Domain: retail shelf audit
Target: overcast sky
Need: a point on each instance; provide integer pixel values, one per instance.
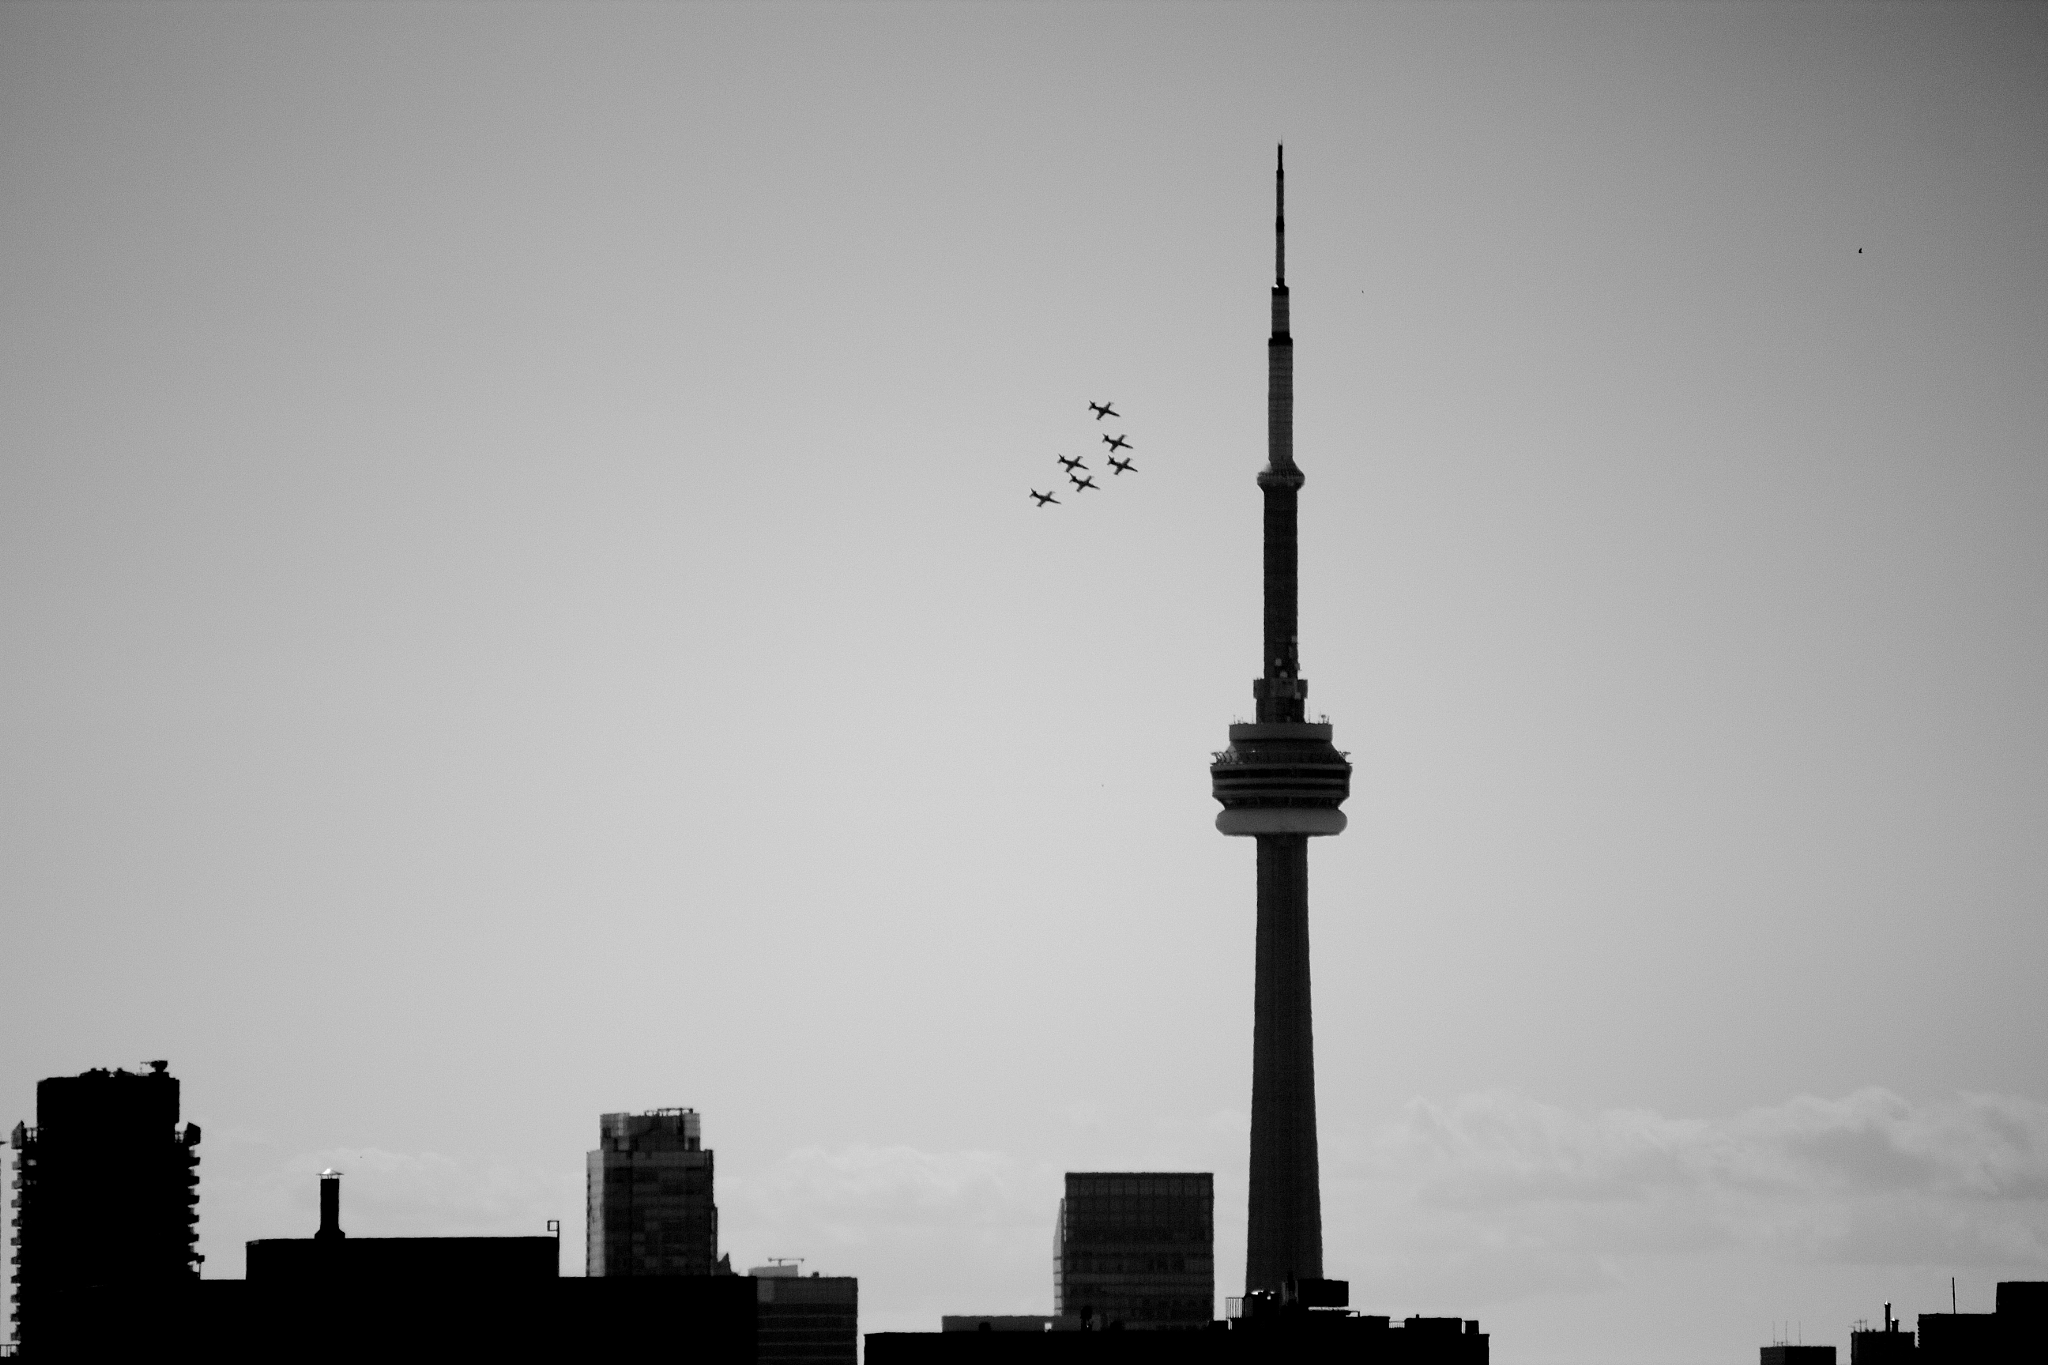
(520, 600)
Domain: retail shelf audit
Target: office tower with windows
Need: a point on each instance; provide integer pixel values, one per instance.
(1136, 1249)
(650, 1201)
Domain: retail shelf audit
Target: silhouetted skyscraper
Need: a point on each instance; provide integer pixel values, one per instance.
(106, 1190)
(1137, 1249)
(649, 1186)
(1280, 782)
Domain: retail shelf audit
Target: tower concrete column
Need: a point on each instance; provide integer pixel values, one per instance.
(1281, 782)
(1284, 1234)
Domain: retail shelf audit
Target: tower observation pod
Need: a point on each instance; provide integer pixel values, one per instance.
(1281, 782)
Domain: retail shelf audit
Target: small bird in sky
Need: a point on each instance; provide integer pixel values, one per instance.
(1082, 481)
(1103, 410)
(1071, 465)
(1122, 465)
(1117, 442)
(1044, 498)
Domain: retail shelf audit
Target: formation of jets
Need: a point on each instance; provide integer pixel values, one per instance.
(1083, 480)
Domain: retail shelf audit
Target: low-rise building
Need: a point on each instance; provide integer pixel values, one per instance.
(805, 1319)
(1784, 1353)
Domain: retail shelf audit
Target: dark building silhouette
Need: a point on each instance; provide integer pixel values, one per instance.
(2018, 1330)
(1280, 782)
(1308, 1320)
(800, 1319)
(650, 1198)
(1959, 1337)
(700, 1319)
(333, 1298)
(1785, 1354)
(1887, 1346)
(2025, 1303)
(331, 1255)
(1136, 1249)
(105, 1224)
(1292, 1333)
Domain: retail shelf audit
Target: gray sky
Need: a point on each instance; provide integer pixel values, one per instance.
(520, 601)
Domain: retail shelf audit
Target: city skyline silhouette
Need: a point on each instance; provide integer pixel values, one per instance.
(522, 606)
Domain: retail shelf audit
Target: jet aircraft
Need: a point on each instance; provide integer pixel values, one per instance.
(1071, 465)
(1044, 498)
(1103, 410)
(1117, 443)
(1122, 465)
(1081, 482)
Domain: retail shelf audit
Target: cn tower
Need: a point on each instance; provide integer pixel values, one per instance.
(1280, 782)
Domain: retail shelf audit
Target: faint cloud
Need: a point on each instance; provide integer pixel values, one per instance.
(1501, 1196)
(928, 1232)
(856, 1194)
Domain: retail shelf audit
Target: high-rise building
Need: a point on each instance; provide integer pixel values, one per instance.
(1136, 1249)
(105, 1206)
(1280, 782)
(649, 1187)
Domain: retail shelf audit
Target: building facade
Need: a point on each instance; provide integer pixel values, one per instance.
(104, 1208)
(805, 1319)
(1136, 1249)
(651, 1210)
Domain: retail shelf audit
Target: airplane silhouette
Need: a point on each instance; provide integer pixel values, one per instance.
(1071, 465)
(1081, 483)
(1122, 465)
(1117, 443)
(1103, 410)
(1044, 498)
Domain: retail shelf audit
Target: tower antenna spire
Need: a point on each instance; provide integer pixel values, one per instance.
(1280, 218)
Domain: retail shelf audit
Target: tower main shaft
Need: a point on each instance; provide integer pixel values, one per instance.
(1281, 781)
